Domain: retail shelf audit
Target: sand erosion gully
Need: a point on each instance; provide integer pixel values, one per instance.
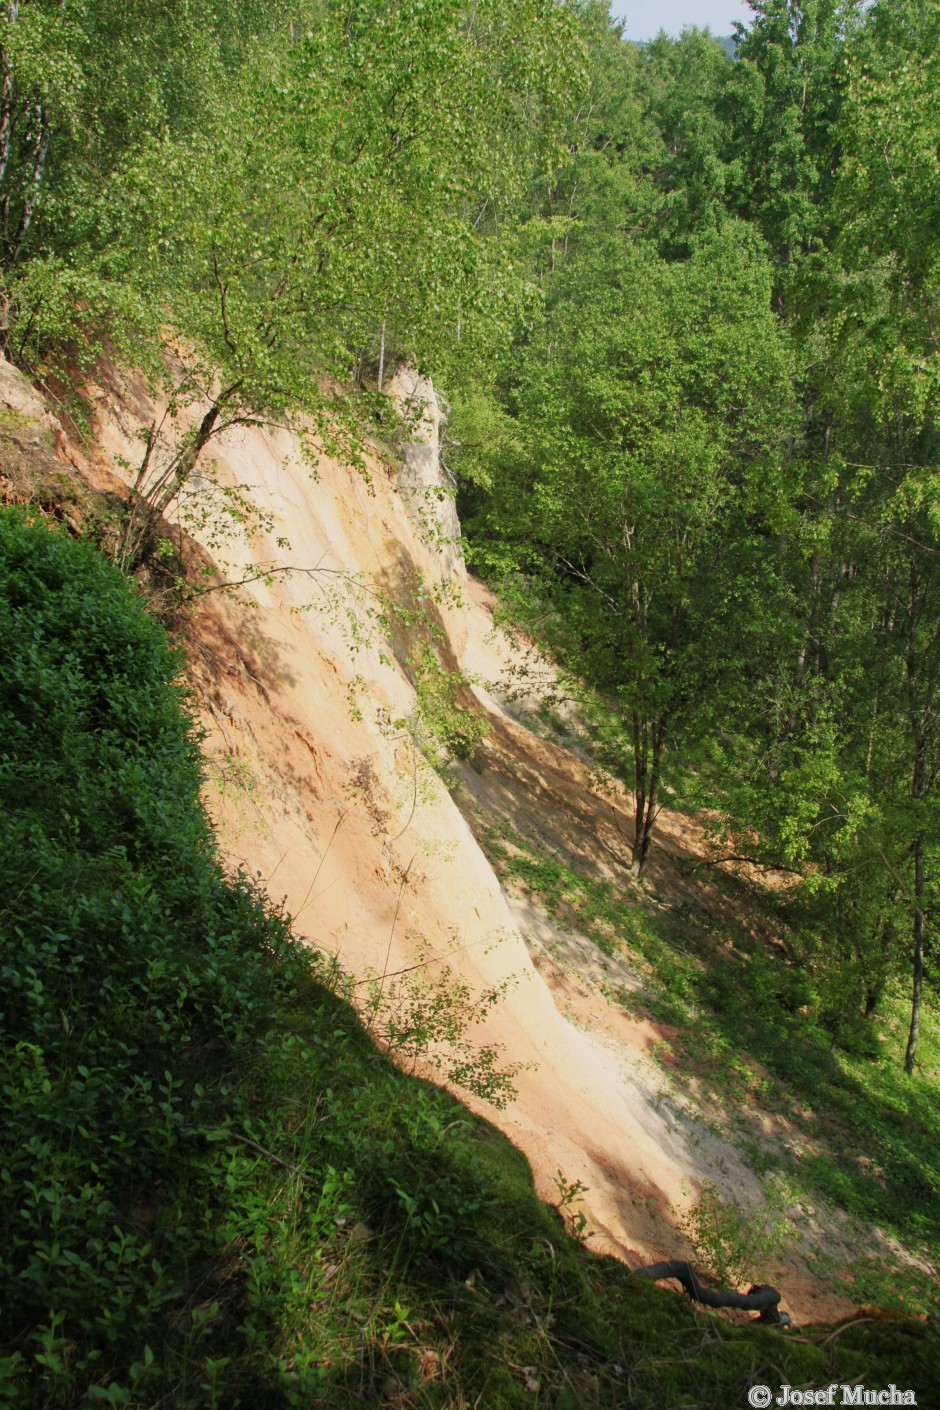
(306, 690)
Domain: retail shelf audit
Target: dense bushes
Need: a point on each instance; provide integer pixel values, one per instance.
(130, 968)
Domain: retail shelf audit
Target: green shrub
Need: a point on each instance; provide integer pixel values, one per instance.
(736, 1244)
(123, 974)
(444, 725)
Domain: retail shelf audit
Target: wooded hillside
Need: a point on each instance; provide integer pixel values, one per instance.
(682, 309)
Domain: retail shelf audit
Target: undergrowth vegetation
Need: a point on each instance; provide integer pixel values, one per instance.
(216, 1190)
(736, 1244)
(744, 1030)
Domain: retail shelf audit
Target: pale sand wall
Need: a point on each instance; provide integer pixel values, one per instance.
(320, 799)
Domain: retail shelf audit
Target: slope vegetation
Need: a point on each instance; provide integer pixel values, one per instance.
(219, 1190)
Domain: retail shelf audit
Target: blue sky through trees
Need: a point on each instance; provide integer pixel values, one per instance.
(645, 18)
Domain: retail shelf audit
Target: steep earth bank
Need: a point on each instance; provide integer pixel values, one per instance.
(308, 678)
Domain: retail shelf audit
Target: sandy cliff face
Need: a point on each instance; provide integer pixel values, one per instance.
(307, 691)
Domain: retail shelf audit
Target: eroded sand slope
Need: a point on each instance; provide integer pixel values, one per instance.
(316, 785)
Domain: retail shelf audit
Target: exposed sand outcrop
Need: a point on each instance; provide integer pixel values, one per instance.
(316, 785)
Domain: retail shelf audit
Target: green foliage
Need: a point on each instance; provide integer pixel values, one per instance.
(275, 182)
(688, 311)
(646, 418)
(782, 102)
(706, 471)
(427, 1013)
(447, 724)
(569, 1191)
(82, 86)
(735, 1245)
(687, 81)
(216, 1190)
(144, 1079)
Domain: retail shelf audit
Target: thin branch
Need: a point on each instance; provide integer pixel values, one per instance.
(740, 857)
(245, 1141)
(339, 821)
(401, 891)
(223, 296)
